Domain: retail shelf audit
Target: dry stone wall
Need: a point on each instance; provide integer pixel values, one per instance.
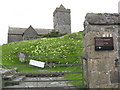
(100, 66)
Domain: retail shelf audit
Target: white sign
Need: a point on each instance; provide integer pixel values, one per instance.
(37, 63)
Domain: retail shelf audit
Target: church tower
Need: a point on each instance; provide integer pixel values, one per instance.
(62, 20)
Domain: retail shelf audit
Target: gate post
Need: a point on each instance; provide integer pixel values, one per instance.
(0, 67)
(101, 50)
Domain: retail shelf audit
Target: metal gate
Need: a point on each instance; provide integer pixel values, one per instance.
(54, 76)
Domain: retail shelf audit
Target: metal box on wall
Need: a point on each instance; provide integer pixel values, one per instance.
(104, 43)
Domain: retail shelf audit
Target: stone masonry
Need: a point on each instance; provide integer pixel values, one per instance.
(62, 19)
(0, 68)
(100, 67)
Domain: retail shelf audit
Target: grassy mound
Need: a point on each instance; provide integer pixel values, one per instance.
(45, 49)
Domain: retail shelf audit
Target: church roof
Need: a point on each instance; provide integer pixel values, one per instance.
(43, 31)
(16, 30)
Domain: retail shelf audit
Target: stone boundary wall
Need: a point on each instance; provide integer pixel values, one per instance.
(0, 67)
(100, 69)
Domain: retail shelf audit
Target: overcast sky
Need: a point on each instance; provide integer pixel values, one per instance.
(39, 13)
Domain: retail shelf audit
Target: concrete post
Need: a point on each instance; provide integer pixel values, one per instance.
(100, 68)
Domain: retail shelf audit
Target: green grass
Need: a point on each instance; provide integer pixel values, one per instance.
(70, 44)
(75, 76)
(57, 49)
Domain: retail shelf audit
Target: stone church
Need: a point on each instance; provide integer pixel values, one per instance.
(62, 24)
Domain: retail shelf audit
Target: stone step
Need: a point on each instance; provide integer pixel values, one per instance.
(7, 71)
(15, 81)
(42, 84)
(10, 77)
(44, 74)
(19, 78)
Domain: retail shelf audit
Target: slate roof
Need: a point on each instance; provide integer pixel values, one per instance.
(43, 31)
(16, 30)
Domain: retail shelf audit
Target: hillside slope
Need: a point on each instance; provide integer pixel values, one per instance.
(45, 49)
(60, 49)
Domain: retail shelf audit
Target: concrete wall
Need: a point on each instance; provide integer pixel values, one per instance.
(100, 65)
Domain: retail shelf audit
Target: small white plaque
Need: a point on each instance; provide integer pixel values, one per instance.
(37, 63)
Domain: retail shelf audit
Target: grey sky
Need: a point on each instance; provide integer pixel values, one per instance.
(39, 13)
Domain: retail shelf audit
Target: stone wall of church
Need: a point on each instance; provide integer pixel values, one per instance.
(13, 38)
(29, 34)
